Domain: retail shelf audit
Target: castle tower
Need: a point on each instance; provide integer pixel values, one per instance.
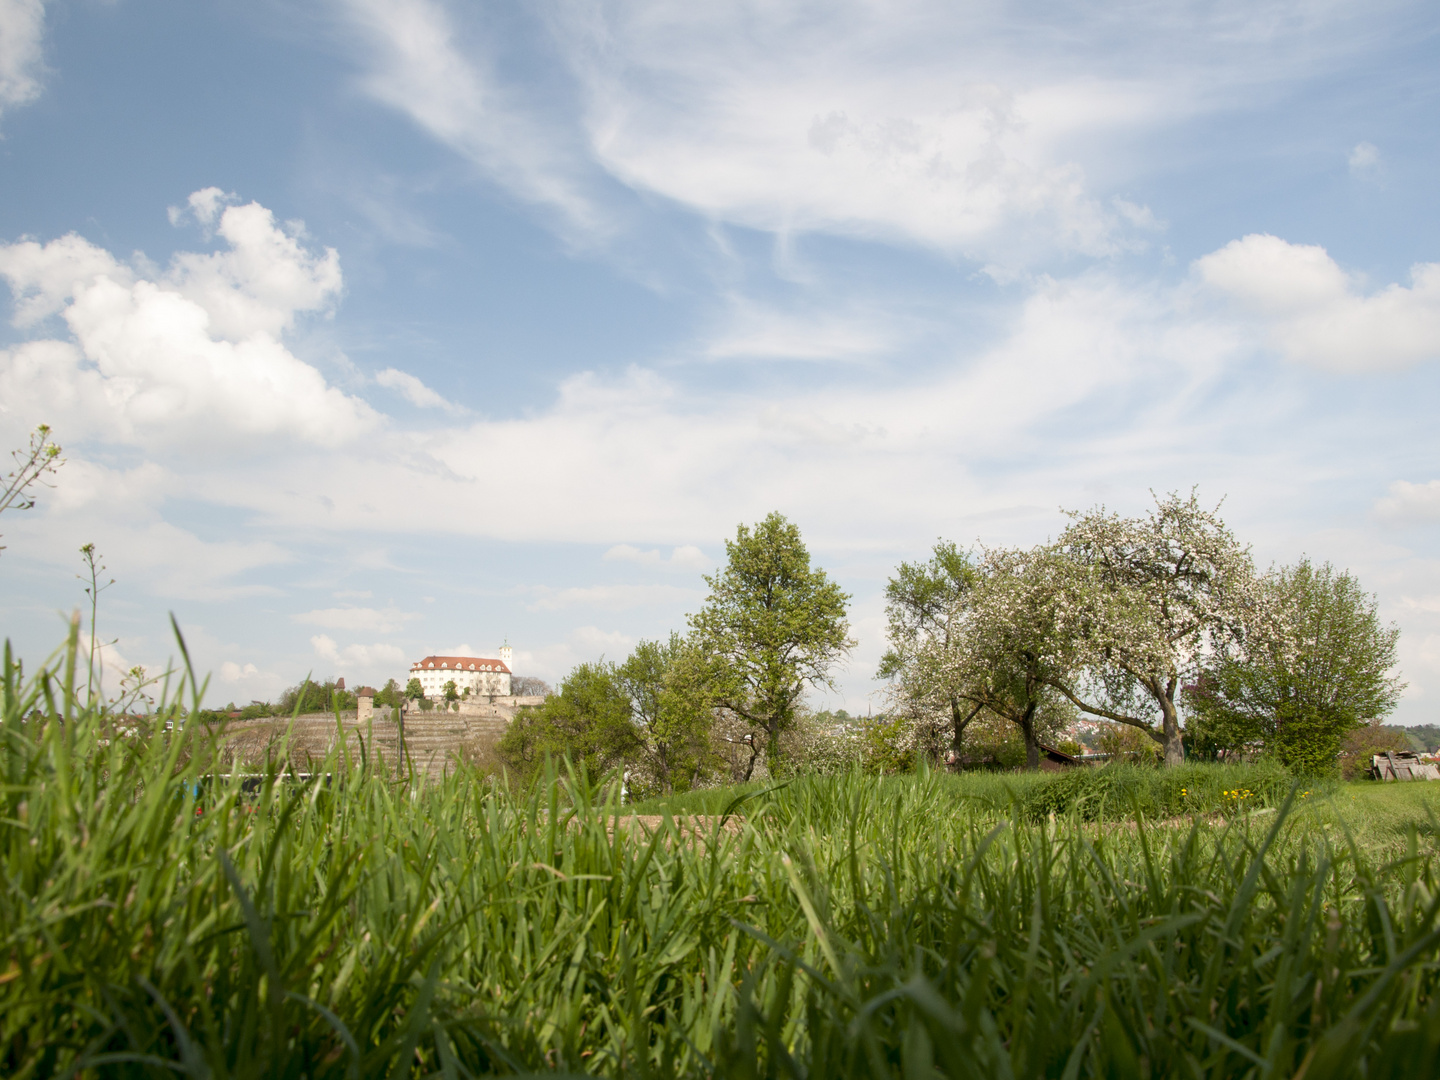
(506, 654)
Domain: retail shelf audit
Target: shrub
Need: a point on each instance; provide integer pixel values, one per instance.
(1125, 742)
(1362, 743)
(819, 745)
(886, 746)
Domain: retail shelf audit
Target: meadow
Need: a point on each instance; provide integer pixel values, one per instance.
(1197, 922)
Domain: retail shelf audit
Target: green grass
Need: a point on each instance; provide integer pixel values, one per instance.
(1091, 794)
(850, 926)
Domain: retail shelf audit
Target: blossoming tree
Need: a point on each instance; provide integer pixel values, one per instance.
(1142, 602)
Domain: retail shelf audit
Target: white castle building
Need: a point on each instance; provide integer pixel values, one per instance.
(482, 676)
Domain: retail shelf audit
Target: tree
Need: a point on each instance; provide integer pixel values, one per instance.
(528, 686)
(313, 697)
(1006, 645)
(413, 690)
(670, 685)
(1315, 666)
(32, 465)
(452, 692)
(390, 694)
(1148, 600)
(775, 624)
(589, 720)
(922, 603)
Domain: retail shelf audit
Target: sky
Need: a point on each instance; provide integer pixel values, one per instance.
(379, 329)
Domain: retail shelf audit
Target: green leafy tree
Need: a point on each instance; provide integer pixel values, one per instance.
(313, 697)
(588, 719)
(776, 625)
(671, 688)
(922, 604)
(452, 692)
(413, 690)
(390, 695)
(1317, 665)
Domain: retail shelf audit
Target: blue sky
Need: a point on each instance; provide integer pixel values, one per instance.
(378, 329)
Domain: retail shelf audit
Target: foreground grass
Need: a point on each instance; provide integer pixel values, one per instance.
(850, 926)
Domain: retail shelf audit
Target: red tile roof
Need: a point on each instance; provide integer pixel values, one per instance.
(464, 663)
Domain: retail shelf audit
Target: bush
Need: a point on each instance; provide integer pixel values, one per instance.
(1363, 743)
(886, 746)
(819, 745)
(1125, 742)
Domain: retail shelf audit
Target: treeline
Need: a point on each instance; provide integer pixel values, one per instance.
(712, 703)
(1159, 624)
(305, 697)
(1159, 628)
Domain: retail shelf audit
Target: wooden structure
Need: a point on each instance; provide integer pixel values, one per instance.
(1402, 765)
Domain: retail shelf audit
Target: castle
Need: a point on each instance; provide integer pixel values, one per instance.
(474, 676)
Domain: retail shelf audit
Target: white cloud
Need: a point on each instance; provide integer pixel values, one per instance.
(353, 618)
(612, 597)
(359, 659)
(414, 391)
(963, 128)
(1410, 503)
(1364, 159)
(685, 557)
(1314, 313)
(22, 33)
(419, 66)
(192, 356)
(754, 330)
(585, 643)
(231, 672)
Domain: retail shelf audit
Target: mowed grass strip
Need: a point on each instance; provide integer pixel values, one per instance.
(846, 926)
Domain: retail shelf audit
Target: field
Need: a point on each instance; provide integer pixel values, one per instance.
(1203, 922)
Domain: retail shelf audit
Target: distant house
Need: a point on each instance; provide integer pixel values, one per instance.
(482, 675)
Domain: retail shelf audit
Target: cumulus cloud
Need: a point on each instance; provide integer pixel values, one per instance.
(192, 354)
(232, 672)
(358, 658)
(414, 391)
(557, 659)
(1314, 313)
(1410, 503)
(357, 618)
(22, 34)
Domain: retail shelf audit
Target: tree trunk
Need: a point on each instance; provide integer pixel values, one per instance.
(958, 727)
(1032, 745)
(1174, 744)
(754, 754)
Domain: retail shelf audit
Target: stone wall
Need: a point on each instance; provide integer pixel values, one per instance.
(429, 740)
